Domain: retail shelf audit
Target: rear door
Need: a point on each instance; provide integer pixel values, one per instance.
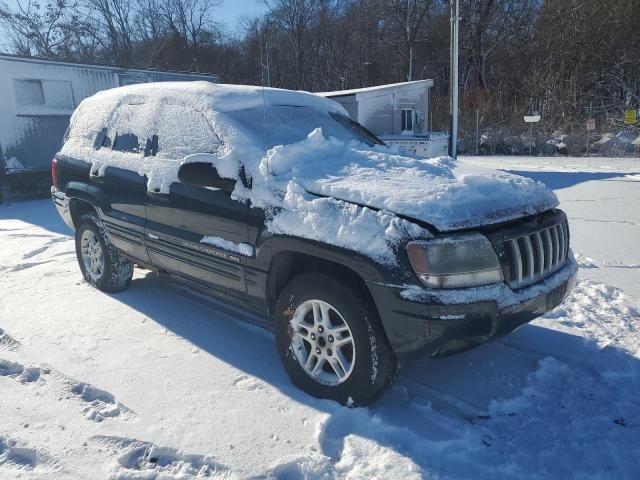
(194, 232)
(124, 219)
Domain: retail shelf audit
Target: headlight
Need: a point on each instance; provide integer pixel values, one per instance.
(456, 261)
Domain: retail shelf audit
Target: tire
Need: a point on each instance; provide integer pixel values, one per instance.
(116, 272)
(372, 364)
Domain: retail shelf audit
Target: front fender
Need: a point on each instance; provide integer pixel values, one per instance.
(367, 268)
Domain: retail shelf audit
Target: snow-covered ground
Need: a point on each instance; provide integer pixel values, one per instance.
(157, 382)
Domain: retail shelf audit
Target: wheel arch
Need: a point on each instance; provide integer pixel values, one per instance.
(79, 207)
(84, 199)
(288, 264)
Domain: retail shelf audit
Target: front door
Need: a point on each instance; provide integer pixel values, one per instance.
(194, 231)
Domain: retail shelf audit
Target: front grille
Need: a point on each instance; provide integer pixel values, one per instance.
(533, 256)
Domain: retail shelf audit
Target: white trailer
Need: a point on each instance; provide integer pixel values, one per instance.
(37, 98)
(398, 113)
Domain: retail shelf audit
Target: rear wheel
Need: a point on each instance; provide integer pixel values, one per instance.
(101, 264)
(330, 341)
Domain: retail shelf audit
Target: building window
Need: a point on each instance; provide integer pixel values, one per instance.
(29, 93)
(43, 97)
(58, 95)
(407, 120)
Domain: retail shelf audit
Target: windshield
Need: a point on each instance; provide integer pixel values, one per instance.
(287, 124)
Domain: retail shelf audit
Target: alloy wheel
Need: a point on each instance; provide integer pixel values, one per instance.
(322, 342)
(92, 255)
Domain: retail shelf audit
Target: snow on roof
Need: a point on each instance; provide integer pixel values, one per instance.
(415, 83)
(219, 97)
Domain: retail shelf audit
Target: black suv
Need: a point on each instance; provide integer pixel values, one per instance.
(226, 188)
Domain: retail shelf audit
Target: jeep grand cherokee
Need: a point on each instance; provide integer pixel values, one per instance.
(354, 255)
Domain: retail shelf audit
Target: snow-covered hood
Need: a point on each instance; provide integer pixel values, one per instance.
(441, 191)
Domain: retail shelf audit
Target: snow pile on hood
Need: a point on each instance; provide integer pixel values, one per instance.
(337, 191)
(438, 191)
(371, 232)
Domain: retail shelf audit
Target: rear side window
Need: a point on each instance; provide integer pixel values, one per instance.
(126, 142)
(132, 131)
(163, 130)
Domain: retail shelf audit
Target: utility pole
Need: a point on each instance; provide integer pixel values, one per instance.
(453, 106)
(408, 33)
(477, 129)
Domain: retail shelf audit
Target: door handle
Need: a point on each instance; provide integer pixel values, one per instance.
(96, 178)
(157, 195)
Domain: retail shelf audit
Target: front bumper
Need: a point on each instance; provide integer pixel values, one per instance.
(61, 203)
(429, 322)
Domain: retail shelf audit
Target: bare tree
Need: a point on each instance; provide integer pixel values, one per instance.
(114, 28)
(294, 18)
(40, 30)
(488, 24)
(402, 25)
(192, 22)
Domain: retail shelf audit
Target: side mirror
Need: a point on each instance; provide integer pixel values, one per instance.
(204, 175)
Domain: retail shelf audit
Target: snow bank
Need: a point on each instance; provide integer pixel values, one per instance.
(323, 188)
(621, 143)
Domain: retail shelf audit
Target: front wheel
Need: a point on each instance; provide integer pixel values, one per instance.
(101, 264)
(331, 342)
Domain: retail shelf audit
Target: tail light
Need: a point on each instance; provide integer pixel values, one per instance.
(54, 172)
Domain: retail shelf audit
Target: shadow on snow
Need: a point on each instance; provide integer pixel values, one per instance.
(565, 179)
(539, 402)
(36, 212)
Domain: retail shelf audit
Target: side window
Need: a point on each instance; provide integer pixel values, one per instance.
(132, 130)
(150, 130)
(126, 142)
(183, 131)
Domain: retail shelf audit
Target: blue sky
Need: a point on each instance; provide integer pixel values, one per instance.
(230, 12)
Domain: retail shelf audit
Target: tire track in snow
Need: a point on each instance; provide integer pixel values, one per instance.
(45, 247)
(41, 251)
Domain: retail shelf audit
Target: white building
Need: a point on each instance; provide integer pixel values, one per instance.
(398, 113)
(37, 98)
